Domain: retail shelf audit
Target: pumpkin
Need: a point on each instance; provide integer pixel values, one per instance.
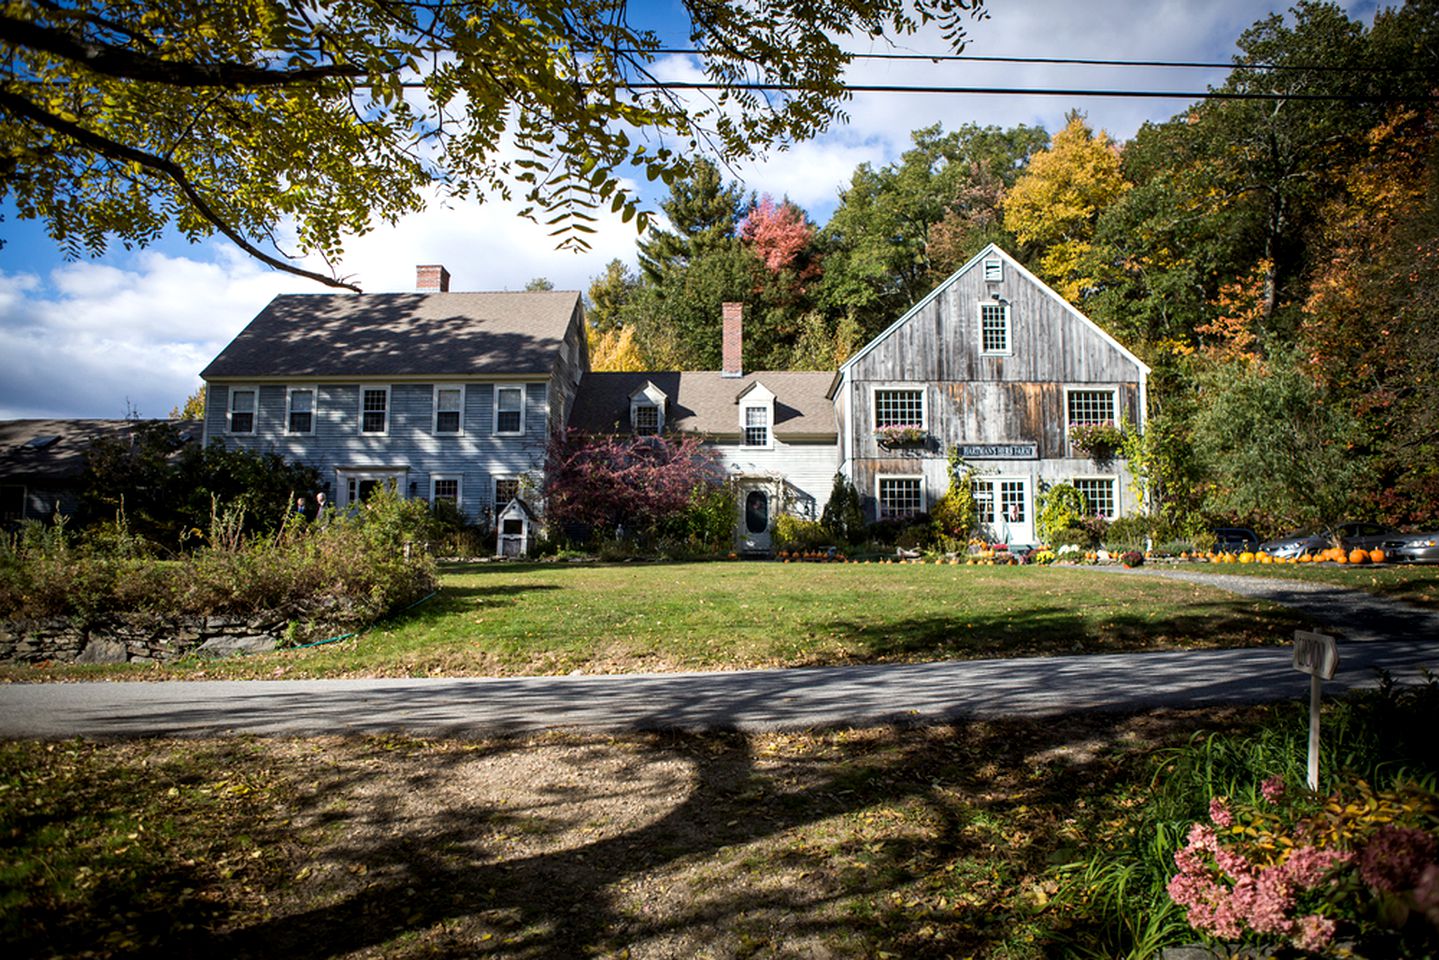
(1246, 557)
(1304, 558)
(1265, 558)
(1377, 555)
(1340, 556)
(1358, 556)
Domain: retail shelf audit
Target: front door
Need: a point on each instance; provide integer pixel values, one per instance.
(1006, 509)
(754, 525)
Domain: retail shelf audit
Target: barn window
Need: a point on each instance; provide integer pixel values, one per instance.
(1091, 406)
(994, 327)
(449, 408)
(375, 410)
(301, 418)
(1098, 494)
(900, 497)
(993, 270)
(899, 408)
(983, 501)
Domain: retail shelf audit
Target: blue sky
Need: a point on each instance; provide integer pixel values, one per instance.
(132, 329)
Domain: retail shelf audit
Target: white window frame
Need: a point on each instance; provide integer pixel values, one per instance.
(1070, 389)
(360, 425)
(495, 481)
(344, 476)
(876, 389)
(768, 410)
(524, 392)
(435, 410)
(993, 268)
(637, 409)
(879, 499)
(1008, 328)
(1112, 480)
(230, 410)
(290, 392)
(437, 478)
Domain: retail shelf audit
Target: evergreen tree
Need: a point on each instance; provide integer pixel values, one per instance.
(704, 213)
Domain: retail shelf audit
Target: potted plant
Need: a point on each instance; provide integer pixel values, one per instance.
(895, 435)
(1096, 440)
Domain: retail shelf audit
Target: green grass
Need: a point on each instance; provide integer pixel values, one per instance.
(1414, 584)
(555, 618)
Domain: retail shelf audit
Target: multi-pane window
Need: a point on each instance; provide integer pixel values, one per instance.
(374, 410)
(647, 419)
(994, 327)
(1098, 494)
(1091, 406)
(509, 410)
(449, 401)
(242, 409)
(993, 270)
(899, 408)
(900, 496)
(1011, 501)
(302, 410)
(445, 488)
(983, 501)
(756, 426)
(506, 489)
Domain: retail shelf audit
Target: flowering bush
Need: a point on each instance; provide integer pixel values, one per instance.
(1132, 558)
(1096, 439)
(1306, 870)
(894, 435)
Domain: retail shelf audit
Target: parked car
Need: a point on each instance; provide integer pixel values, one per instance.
(1360, 535)
(1235, 540)
(1413, 547)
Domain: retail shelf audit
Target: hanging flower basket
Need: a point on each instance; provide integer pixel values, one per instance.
(1096, 440)
(896, 436)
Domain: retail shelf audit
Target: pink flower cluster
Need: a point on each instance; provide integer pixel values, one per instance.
(1225, 894)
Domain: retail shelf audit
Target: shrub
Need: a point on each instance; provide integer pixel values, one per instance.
(1061, 506)
(793, 533)
(1126, 533)
(843, 515)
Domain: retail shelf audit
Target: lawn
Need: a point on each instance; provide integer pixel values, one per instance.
(1414, 584)
(556, 618)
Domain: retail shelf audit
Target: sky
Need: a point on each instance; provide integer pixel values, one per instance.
(130, 331)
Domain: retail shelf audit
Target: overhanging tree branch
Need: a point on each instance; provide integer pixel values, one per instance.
(105, 147)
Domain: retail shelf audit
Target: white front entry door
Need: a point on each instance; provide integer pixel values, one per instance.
(1006, 509)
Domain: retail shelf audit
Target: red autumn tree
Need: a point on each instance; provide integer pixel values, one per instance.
(782, 238)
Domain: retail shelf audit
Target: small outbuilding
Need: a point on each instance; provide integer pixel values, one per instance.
(513, 529)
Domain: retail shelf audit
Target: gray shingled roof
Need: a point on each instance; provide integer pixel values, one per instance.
(706, 402)
(22, 458)
(399, 334)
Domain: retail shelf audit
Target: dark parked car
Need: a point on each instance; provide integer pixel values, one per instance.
(1413, 547)
(1235, 540)
(1360, 535)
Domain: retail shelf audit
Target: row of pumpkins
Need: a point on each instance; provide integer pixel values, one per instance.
(1332, 555)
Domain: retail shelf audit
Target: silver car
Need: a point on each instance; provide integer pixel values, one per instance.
(1413, 547)
(1365, 536)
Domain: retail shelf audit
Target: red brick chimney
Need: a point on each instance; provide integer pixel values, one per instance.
(432, 278)
(733, 340)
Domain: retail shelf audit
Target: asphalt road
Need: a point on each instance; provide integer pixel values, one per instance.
(1378, 636)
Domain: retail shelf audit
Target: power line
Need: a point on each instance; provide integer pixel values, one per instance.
(1039, 92)
(1062, 61)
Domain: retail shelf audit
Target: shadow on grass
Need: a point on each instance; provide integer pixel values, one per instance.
(982, 806)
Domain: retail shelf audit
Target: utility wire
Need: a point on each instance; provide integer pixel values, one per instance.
(1180, 64)
(1041, 92)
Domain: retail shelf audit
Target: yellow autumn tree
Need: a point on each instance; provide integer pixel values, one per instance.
(1055, 204)
(615, 351)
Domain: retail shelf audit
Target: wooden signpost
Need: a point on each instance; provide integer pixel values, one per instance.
(1316, 654)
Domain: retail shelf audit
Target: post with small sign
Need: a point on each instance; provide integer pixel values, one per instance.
(1316, 654)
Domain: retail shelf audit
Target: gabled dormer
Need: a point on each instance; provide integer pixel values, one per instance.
(647, 409)
(756, 416)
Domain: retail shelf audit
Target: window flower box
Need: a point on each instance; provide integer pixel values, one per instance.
(891, 437)
(1096, 440)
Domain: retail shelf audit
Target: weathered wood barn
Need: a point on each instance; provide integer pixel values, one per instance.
(997, 365)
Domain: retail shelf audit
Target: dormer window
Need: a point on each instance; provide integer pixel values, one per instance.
(647, 410)
(646, 419)
(756, 426)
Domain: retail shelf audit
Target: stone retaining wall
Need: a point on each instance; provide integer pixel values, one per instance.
(136, 639)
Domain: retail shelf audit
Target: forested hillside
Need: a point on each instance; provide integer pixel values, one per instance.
(1274, 259)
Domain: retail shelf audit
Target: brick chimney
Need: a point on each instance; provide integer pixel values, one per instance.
(733, 340)
(432, 278)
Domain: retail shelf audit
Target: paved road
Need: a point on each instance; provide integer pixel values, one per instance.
(741, 700)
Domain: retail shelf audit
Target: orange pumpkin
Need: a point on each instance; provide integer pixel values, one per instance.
(1377, 555)
(1358, 556)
